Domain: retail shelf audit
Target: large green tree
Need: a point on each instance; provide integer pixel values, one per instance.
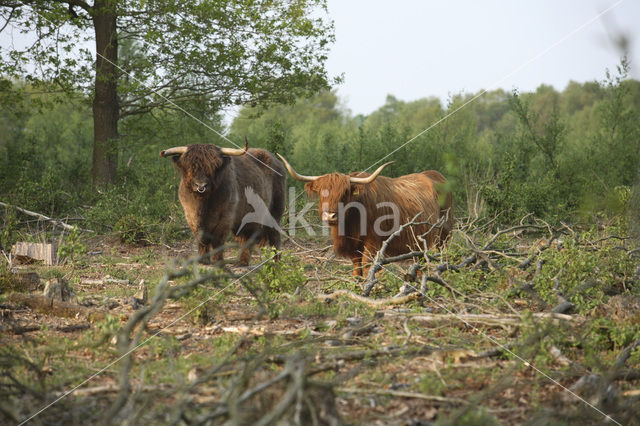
(212, 53)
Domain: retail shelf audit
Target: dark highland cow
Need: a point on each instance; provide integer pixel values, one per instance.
(363, 209)
(220, 187)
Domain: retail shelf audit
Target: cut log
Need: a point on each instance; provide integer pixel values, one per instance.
(30, 280)
(65, 329)
(28, 252)
(47, 306)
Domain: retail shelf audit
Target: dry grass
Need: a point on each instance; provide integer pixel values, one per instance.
(326, 354)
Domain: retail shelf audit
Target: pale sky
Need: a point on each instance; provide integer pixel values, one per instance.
(413, 49)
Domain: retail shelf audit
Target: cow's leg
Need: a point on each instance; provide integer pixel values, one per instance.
(204, 244)
(247, 237)
(245, 250)
(215, 247)
(218, 253)
(356, 258)
(203, 249)
(367, 260)
(357, 265)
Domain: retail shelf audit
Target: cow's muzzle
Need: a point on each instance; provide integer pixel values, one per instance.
(201, 187)
(329, 217)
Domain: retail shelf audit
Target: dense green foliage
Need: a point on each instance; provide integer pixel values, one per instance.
(159, 55)
(553, 154)
(559, 155)
(219, 53)
(46, 167)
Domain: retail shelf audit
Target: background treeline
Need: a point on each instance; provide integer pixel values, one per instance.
(559, 155)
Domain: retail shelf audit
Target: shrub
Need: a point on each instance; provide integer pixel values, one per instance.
(72, 248)
(130, 230)
(283, 275)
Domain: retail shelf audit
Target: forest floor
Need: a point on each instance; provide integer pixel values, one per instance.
(492, 342)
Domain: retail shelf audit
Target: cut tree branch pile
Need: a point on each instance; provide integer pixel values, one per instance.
(486, 256)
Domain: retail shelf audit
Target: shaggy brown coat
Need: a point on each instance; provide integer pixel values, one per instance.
(212, 194)
(412, 194)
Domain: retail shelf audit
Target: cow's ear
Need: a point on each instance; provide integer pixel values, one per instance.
(311, 191)
(176, 162)
(225, 161)
(356, 189)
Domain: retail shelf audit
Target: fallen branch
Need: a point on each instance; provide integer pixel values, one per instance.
(360, 355)
(625, 355)
(7, 258)
(396, 300)
(559, 357)
(64, 329)
(49, 306)
(403, 394)
(490, 353)
(256, 330)
(377, 262)
(99, 390)
(40, 216)
(525, 263)
(105, 280)
(131, 333)
(563, 307)
(627, 375)
(437, 280)
(512, 229)
(485, 319)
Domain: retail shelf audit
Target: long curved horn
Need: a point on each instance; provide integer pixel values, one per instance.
(236, 151)
(371, 178)
(294, 174)
(178, 150)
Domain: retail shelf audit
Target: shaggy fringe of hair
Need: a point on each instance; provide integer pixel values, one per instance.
(203, 160)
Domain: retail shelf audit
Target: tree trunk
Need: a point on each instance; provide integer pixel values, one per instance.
(105, 101)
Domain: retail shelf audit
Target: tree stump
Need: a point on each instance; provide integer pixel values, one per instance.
(58, 290)
(30, 281)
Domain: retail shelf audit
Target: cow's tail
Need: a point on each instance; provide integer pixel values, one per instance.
(446, 212)
(278, 201)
